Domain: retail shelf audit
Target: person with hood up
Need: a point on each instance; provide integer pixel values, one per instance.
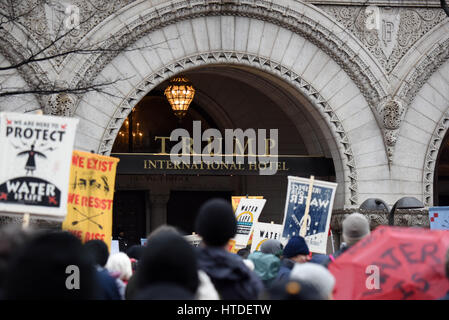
(296, 251)
(233, 280)
(266, 266)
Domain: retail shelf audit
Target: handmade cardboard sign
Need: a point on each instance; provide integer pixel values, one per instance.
(35, 157)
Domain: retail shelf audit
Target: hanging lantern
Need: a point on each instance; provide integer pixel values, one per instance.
(180, 94)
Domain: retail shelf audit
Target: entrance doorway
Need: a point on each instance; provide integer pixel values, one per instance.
(129, 215)
(183, 206)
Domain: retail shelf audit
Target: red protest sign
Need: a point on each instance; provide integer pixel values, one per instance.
(393, 263)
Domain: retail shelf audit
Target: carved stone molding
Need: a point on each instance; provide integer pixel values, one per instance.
(165, 14)
(400, 29)
(403, 218)
(431, 158)
(60, 104)
(261, 63)
(423, 71)
(391, 114)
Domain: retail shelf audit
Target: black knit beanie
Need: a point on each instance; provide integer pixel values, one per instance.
(168, 258)
(216, 222)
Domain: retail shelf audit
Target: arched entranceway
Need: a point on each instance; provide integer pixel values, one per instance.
(441, 175)
(227, 97)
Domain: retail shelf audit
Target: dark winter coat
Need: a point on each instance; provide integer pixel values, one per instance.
(334, 256)
(231, 277)
(108, 285)
(285, 269)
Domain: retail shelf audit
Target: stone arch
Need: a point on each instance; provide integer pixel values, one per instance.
(434, 95)
(306, 20)
(295, 60)
(423, 90)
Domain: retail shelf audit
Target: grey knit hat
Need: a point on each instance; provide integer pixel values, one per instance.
(272, 246)
(355, 227)
(316, 275)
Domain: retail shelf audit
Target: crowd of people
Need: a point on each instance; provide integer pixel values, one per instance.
(37, 264)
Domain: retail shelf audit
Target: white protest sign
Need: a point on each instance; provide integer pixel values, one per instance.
(35, 159)
(318, 214)
(247, 213)
(193, 239)
(114, 247)
(263, 232)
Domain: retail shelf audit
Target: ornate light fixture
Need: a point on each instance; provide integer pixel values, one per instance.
(180, 94)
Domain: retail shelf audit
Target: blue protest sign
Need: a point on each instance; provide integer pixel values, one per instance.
(439, 218)
(320, 211)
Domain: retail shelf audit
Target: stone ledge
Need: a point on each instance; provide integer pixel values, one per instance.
(407, 218)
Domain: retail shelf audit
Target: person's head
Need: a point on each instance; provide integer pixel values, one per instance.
(317, 276)
(216, 222)
(121, 264)
(272, 246)
(121, 234)
(296, 250)
(244, 253)
(168, 258)
(51, 266)
(162, 229)
(97, 251)
(134, 252)
(355, 227)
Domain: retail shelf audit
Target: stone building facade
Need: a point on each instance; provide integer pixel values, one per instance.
(374, 100)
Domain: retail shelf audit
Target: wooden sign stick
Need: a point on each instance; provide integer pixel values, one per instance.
(26, 220)
(303, 230)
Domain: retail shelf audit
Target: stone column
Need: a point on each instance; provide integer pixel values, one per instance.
(158, 215)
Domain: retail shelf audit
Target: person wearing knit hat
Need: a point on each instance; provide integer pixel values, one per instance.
(355, 227)
(296, 251)
(318, 277)
(168, 258)
(272, 246)
(216, 222)
(233, 280)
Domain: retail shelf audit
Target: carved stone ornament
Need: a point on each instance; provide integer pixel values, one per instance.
(60, 104)
(392, 113)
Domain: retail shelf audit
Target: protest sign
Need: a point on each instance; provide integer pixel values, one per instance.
(35, 163)
(115, 248)
(194, 239)
(91, 194)
(263, 232)
(232, 247)
(311, 211)
(439, 218)
(246, 214)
